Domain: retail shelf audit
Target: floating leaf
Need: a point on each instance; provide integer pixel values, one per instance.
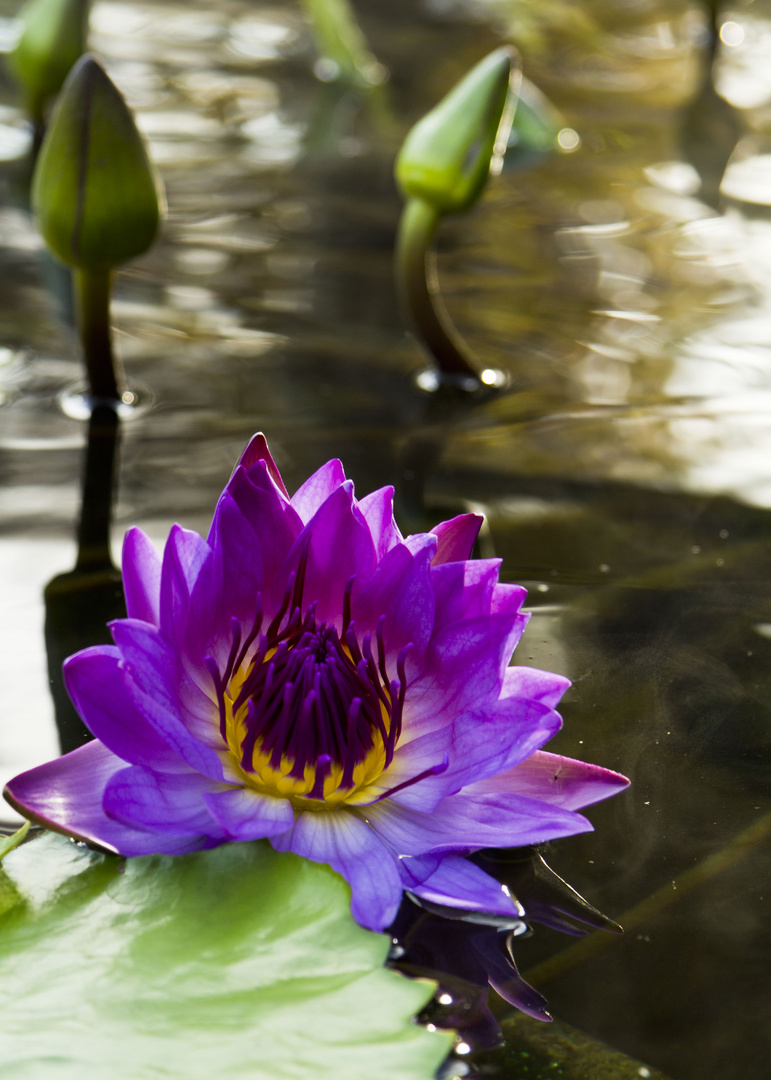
(95, 194)
(236, 962)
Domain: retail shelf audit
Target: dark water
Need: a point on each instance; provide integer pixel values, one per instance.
(625, 475)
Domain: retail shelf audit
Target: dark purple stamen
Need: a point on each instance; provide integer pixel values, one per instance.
(311, 696)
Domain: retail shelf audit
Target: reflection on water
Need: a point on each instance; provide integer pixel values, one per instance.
(626, 476)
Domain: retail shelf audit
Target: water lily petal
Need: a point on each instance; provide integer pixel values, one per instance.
(464, 590)
(153, 668)
(465, 823)
(558, 780)
(248, 815)
(141, 577)
(351, 848)
(400, 591)
(378, 511)
(456, 882)
(476, 745)
(66, 795)
(183, 556)
(257, 453)
(525, 682)
(317, 488)
(96, 680)
(271, 519)
(456, 537)
(171, 802)
(464, 669)
(337, 546)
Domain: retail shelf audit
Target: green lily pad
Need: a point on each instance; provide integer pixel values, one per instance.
(236, 962)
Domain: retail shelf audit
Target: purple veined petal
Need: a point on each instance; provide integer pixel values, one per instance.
(464, 670)
(544, 686)
(400, 589)
(317, 488)
(66, 795)
(141, 577)
(337, 546)
(162, 802)
(474, 746)
(257, 451)
(458, 883)
(245, 814)
(271, 519)
(507, 599)
(465, 823)
(238, 557)
(378, 511)
(183, 557)
(463, 590)
(350, 847)
(456, 538)
(552, 778)
(96, 681)
(154, 674)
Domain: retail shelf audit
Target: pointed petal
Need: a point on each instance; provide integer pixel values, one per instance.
(141, 577)
(464, 590)
(558, 780)
(526, 682)
(257, 451)
(66, 795)
(337, 546)
(183, 556)
(317, 489)
(456, 537)
(378, 511)
(353, 850)
(400, 589)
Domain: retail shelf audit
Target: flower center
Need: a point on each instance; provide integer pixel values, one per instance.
(307, 713)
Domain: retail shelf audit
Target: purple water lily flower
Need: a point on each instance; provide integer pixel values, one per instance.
(309, 676)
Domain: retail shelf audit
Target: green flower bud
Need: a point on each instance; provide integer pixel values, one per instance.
(95, 194)
(52, 39)
(445, 159)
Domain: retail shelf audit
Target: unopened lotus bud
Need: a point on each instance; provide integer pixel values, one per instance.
(445, 159)
(95, 194)
(52, 39)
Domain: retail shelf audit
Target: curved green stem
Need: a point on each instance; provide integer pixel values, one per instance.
(419, 285)
(92, 298)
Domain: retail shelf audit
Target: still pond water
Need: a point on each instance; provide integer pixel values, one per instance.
(625, 472)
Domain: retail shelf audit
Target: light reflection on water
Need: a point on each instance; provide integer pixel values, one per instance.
(623, 291)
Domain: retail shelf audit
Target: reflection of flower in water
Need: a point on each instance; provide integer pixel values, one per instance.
(308, 676)
(466, 953)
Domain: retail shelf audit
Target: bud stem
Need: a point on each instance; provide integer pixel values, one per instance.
(92, 299)
(419, 286)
